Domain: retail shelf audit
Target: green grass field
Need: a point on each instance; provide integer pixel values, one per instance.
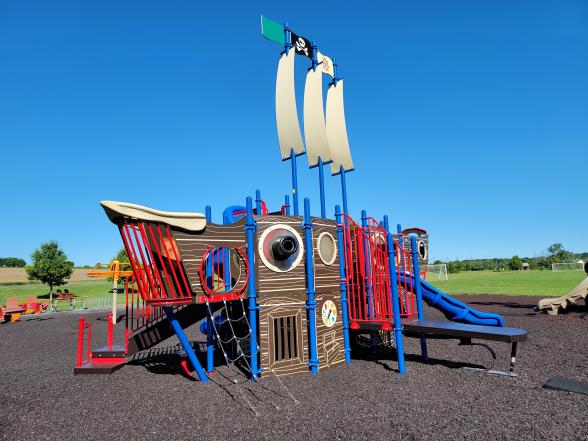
(540, 283)
(86, 288)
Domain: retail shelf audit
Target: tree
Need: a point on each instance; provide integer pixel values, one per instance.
(11, 262)
(515, 263)
(121, 256)
(558, 254)
(50, 265)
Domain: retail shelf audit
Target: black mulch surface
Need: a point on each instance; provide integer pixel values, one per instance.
(40, 398)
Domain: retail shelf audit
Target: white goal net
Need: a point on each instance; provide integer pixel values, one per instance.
(437, 272)
(555, 267)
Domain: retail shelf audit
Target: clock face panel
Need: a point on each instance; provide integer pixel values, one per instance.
(329, 313)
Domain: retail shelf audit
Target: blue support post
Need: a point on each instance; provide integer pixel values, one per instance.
(310, 302)
(287, 204)
(250, 228)
(342, 276)
(209, 329)
(367, 281)
(185, 343)
(322, 187)
(287, 38)
(226, 253)
(366, 253)
(294, 181)
(258, 202)
(419, 296)
(397, 326)
(343, 189)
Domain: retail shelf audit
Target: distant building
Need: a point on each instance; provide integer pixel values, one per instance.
(525, 266)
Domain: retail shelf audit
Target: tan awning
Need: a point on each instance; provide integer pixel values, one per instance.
(116, 211)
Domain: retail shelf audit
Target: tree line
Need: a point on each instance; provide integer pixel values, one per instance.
(556, 253)
(12, 262)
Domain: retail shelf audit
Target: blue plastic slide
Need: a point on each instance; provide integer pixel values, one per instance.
(455, 310)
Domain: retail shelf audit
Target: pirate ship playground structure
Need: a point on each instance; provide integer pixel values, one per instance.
(281, 292)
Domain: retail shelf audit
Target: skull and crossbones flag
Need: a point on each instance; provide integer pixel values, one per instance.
(301, 45)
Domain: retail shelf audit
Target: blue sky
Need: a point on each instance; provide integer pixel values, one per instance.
(469, 119)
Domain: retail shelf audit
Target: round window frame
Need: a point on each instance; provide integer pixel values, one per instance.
(318, 247)
(262, 238)
(425, 247)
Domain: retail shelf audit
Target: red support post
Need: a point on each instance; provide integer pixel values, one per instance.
(110, 331)
(80, 356)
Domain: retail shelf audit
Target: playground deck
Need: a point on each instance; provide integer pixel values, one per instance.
(365, 400)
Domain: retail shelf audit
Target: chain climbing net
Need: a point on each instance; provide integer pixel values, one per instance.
(237, 348)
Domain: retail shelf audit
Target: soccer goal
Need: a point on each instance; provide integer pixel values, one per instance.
(437, 272)
(576, 266)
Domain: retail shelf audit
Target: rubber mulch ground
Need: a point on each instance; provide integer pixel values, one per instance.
(40, 398)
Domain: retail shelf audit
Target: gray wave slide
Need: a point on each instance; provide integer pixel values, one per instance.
(553, 305)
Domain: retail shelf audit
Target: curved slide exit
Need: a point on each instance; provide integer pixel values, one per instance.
(454, 310)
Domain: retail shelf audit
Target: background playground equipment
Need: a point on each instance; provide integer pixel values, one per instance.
(553, 306)
(293, 290)
(13, 309)
(115, 271)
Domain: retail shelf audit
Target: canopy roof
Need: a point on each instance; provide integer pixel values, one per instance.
(117, 211)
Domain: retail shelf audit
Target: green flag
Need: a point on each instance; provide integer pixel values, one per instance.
(272, 30)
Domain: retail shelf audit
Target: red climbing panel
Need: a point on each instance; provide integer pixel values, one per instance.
(367, 273)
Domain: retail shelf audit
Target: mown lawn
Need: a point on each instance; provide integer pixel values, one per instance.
(89, 288)
(540, 283)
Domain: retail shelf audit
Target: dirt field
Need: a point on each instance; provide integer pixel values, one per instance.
(19, 275)
(148, 399)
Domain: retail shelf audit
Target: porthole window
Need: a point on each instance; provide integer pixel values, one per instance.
(280, 248)
(327, 248)
(422, 248)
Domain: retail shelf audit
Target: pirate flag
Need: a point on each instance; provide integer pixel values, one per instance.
(301, 45)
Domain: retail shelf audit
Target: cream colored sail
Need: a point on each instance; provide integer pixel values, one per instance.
(337, 130)
(315, 132)
(287, 123)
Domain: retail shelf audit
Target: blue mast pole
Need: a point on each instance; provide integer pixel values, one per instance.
(398, 337)
(322, 187)
(343, 189)
(209, 325)
(311, 302)
(250, 228)
(419, 296)
(294, 181)
(341, 169)
(342, 276)
(287, 46)
(258, 202)
(320, 162)
(287, 204)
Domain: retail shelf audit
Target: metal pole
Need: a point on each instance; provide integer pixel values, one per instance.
(322, 187)
(398, 337)
(209, 318)
(226, 255)
(367, 280)
(258, 202)
(343, 189)
(250, 228)
(310, 302)
(185, 343)
(294, 181)
(115, 291)
(343, 278)
(287, 204)
(419, 296)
